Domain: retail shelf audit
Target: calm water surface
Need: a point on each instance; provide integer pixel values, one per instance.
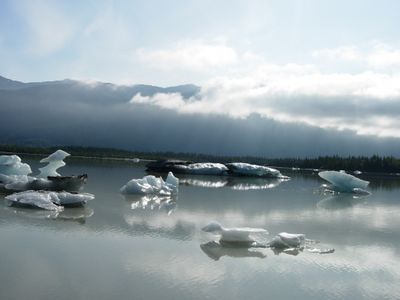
(144, 248)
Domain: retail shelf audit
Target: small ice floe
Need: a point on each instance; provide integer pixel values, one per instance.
(245, 169)
(202, 169)
(287, 240)
(343, 182)
(216, 250)
(12, 165)
(152, 185)
(48, 200)
(294, 243)
(357, 172)
(244, 236)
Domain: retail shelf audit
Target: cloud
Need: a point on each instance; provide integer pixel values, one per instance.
(367, 103)
(194, 55)
(377, 55)
(49, 28)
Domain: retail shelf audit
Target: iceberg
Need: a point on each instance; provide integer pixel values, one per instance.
(243, 235)
(202, 169)
(47, 200)
(287, 240)
(245, 169)
(152, 185)
(344, 183)
(55, 161)
(12, 165)
(14, 175)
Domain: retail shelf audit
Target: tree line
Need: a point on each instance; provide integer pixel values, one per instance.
(375, 163)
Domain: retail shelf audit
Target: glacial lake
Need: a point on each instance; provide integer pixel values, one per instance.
(143, 248)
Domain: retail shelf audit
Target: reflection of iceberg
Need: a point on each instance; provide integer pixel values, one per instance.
(48, 200)
(340, 201)
(152, 185)
(215, 250)
(152, 202)
(246, 184)
(12, 165)
(245, 169)
(77, 214)
(235, 183)
(202, 169)
(206, 182)
(244, 235)
(343, 182)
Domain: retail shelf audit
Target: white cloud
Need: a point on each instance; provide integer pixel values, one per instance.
(49, 28)
(383, 56)
(196, 55)
(348, 53)
(367, 103)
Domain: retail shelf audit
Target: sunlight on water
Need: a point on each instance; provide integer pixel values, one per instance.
(152, 247)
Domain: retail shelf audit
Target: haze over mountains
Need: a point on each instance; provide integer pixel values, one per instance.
(70, 112)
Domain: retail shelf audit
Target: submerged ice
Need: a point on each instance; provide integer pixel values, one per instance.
(344, 183)
(152, 185)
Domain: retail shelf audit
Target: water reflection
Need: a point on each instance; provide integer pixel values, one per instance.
(235, 183)
(153, 202)
(76, 214)
(341, 201)
(216, 250)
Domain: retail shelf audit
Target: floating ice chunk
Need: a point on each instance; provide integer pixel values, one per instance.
(48, 200)
(35, 199)
(12, 165)
(343, 182)
(152, 185)
(234, 235)
(203, 169)
(56, 156)
(55, 161)
(245, 169)
(287, 240)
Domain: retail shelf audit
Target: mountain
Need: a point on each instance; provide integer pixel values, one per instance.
(97, 114)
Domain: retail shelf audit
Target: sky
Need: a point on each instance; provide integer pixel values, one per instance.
(327, 64)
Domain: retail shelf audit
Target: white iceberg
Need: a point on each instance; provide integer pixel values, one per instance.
(343, 182)
(234, 235)
(48, 200)
(15, 176)
(12, 165)
(287, 240)
(152, 185)
(55, 161)
(245, 169)
(202, 169)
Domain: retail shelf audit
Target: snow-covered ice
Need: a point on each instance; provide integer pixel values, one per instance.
(203, 169)
(12, 165)
(48, 200)
(343, 182)
(152, 185)
(234, 235)
(287, 240)
(245, 169)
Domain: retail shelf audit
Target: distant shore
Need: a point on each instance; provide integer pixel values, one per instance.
(375, 164)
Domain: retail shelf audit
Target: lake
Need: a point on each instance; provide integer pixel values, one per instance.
(149, 248)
